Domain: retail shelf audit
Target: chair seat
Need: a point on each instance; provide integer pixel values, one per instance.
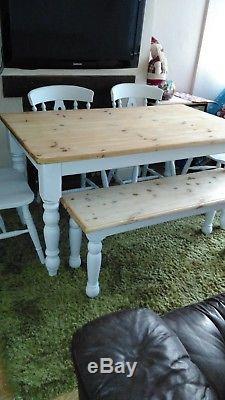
(14, 190)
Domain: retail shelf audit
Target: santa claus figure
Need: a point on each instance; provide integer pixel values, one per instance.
(157, 68)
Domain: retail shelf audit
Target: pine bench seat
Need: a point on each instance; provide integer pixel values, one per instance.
(103, 212)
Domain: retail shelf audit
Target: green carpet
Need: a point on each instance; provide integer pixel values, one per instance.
(163, 267)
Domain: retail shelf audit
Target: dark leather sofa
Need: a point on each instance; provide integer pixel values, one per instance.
(180, 356)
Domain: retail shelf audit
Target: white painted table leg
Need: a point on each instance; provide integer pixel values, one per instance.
(75, 236)
(94, 260)
(51, 234)
(222, 219)
(207, 226)
(50, 188)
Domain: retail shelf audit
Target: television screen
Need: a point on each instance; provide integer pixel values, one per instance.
(71, 33)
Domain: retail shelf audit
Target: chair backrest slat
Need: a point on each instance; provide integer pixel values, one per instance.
(134, 94)
(59, 94)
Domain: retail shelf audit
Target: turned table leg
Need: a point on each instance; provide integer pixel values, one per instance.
(50, 191)
(51, 234)
(94, 260)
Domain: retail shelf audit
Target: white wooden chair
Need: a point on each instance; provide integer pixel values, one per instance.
(57, 94)
(133, 95)
(218, 158)
(15, 193)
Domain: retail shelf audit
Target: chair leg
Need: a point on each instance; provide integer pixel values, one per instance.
(135, 174)
(207, 226)
(105, 182)
(2, 225)
(83, 180)
(144, 170)
(186, 166)
(94, 259)
(21, 217)
(33, 232)
(167, 171)
(111, 174)
(170, 169)
(222, 219)
(75, 236)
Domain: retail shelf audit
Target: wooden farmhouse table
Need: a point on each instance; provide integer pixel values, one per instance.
(60, 143)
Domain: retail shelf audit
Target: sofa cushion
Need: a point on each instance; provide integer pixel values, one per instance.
(201, 329)
(164, 370)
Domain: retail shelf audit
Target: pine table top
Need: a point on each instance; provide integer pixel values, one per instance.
(60, 136)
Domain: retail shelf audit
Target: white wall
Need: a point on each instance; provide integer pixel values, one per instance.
(178, 26)
(210, 77)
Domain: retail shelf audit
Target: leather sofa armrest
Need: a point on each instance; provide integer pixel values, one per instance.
(201, 329)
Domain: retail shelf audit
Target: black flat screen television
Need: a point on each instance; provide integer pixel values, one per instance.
(71, 33)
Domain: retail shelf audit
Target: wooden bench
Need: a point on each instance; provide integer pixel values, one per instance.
(103, 212)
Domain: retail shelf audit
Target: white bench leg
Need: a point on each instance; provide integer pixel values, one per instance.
(207, 226)
(94, 259)
(33, 232)
(75, 236)
(222, 219)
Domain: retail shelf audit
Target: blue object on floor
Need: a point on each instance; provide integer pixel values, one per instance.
(219, 101)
